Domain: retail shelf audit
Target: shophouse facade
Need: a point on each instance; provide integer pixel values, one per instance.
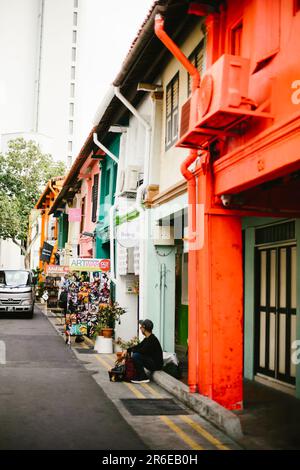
(218, 264)
(243, 131)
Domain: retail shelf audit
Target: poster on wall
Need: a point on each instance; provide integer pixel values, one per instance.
(46, 252)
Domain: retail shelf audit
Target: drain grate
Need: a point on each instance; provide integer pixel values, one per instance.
(153, 407)
(85, 351)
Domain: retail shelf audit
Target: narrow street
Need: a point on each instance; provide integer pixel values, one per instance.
(56, 397)
(48, 400)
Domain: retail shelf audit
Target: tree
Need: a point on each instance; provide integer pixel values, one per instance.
(24, 171)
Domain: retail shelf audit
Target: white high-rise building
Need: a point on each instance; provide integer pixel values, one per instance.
(39, 57)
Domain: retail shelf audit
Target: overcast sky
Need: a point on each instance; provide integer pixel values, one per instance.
(113, 26)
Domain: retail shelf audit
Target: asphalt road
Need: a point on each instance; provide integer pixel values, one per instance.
(48, 400)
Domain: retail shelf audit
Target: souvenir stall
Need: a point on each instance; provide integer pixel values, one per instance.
(86, 289)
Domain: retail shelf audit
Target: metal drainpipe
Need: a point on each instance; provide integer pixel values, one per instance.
(102, 147)
(163, 296)
(189, 176)
(148, 129)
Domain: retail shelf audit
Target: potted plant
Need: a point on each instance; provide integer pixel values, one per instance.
(108, 315)
(124, 345)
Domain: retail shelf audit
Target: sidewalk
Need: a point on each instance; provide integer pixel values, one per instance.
(160, 420)
(270, 419)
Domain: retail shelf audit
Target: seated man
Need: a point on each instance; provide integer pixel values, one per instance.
(147, 354)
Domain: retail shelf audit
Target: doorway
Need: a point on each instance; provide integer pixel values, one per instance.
(275, 307)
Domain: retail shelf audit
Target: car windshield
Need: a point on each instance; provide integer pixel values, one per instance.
(14, 278)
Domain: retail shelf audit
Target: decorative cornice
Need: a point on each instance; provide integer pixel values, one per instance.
(170, 193)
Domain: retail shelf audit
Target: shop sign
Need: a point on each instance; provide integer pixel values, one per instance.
(74, 215)
(128, 233)
(57, 269)
(46, 252)
(89, 264)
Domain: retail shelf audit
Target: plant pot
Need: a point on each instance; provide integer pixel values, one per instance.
(107, 332)
(119, 355)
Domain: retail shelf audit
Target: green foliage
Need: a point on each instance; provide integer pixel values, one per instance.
(109, 314)
(24, 172)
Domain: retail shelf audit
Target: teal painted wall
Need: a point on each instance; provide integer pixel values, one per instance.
(249, 224)
(63, 226)
(109, 171)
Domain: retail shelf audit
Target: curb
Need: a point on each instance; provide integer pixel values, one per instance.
(224, 419)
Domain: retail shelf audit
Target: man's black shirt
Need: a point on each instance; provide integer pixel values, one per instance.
(150, 347)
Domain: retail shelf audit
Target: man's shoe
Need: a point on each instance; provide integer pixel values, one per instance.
(140, 381)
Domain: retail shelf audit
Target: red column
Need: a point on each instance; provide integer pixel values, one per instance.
(220, 305)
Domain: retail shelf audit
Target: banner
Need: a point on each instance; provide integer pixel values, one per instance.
(57, 269)
(89, 264)
(74, 215)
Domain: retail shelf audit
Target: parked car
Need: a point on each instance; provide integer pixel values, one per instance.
(17, 292)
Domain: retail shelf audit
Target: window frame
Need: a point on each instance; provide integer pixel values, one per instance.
(199, 49)
(172, 118)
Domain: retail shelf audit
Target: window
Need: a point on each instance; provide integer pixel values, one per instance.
(82, 214)
(236, 39)
(72, 90)
(95, 191)
(172, 102)
(73, 73)
(75, 18)
(107, 183)
(70, 145)
(71, 109)
(69, 161)
(71, 127)
(74, 37)
(73, 54)
(75, 3)
(197, 59)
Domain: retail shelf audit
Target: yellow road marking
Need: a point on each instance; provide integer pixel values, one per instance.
(103, 362)
(188, 440)
(167, 421)
(209, 437)
(134, 390)
(152, 391)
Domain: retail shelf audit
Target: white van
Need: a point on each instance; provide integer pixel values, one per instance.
(17, 292)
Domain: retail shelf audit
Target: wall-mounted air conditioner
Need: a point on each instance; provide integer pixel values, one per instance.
(220, 103)
(130, 180)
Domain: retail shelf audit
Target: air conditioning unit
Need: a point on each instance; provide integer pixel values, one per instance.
(130, 180)
(219, 104)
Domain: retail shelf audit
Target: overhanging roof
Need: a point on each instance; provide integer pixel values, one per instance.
(143, 62)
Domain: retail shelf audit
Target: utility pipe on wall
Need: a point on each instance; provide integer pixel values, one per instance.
(148, 129)
(102, 147)
(111, 213)
(192, 190)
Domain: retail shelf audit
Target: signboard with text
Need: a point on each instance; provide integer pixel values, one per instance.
(57, 269)
(89, 264)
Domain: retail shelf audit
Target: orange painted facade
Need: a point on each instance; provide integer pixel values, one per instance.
(44, 204)
(258, 151)
(253, 139)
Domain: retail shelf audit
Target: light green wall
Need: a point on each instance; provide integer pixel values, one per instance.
(163, 316)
